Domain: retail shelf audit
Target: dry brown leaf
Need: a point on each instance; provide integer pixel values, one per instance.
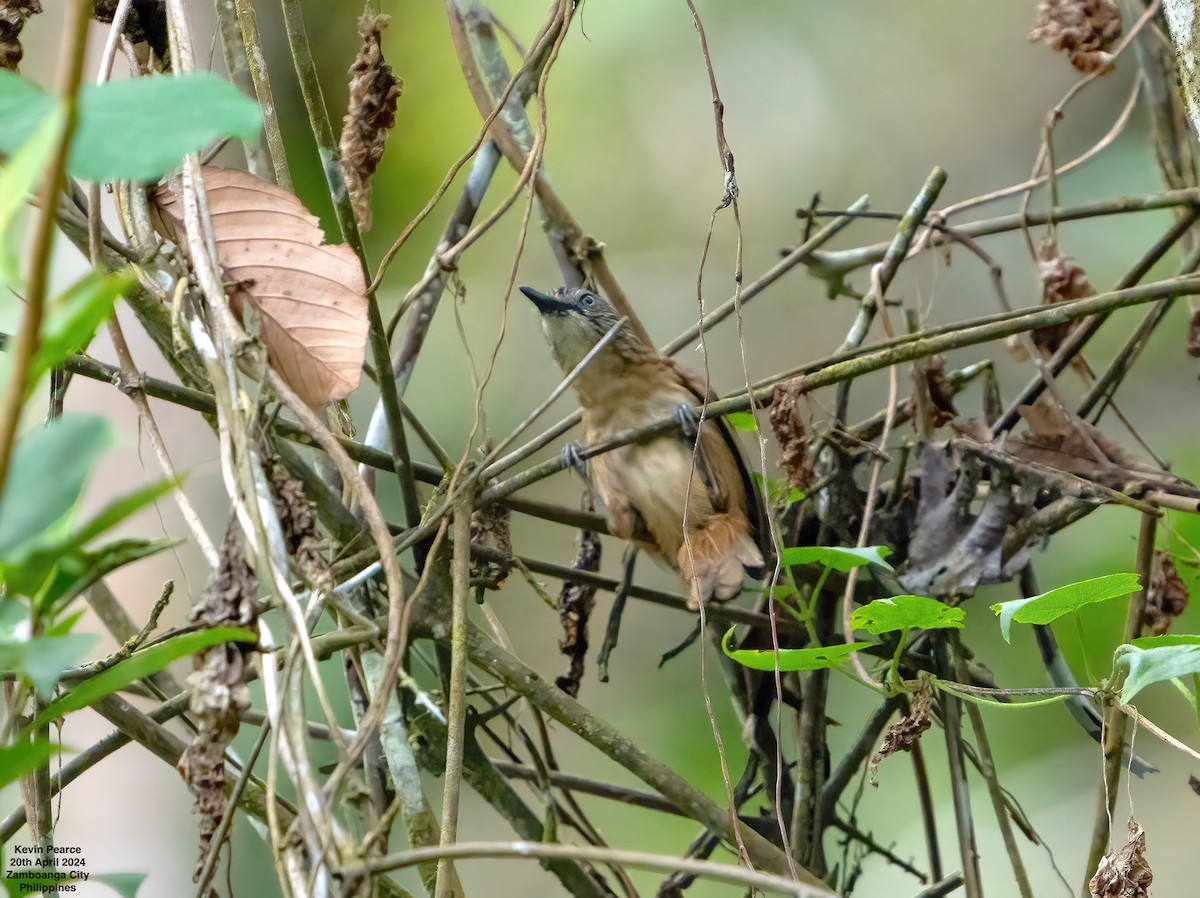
(1057, 442)
(1167, 595)
(793, 439)
(218, 687)
(13, 15)
(1126, 873)
(938, 391)
(298, 520)
(575, 604)
(371, 113)
(310, 297)
(1063, 279)
(904, 733)
(491, 529)
(145, 27)
(1193, 338)
(1084, 29)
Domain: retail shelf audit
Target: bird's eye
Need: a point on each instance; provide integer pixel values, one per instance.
(588, 299)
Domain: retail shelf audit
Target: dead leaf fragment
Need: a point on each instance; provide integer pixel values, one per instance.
(218, 687)
(1058, 441)
(789, 429)
(1167, 595)
(310, 298)
(13, 15)
(575, 603)
(904, 733)
(1193, 338)
(1126, 873)
(145, 27)
(1083, 29)
(1063, 279)
(298, 520)
(374, 90)
(938, 391)
(491, 529)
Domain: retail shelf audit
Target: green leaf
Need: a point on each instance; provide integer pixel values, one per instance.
(39, 659)
(82, 569)
(72, 319)
(905, 613)
(14, 620)
(119, 509)
(1052, 605)
(124, 884)
(137, 667)
(28, 577)
(742, 421)
(50, 467)
(840, 558)
(776, 491)
(1154, 642)
(1154, 665)
(23, 108)
(170, 116)
(21, 758)
(18, 180)
(817, 658)
(46, 658)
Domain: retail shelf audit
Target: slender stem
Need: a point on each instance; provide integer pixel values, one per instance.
(53, 179)
(987, 767)
(543, 850)
(456, 714)
(850, 259)
(942, 887)
(959, 787)
(256, 62)
(928, 814)
(318, 115)
(244, 61)
(1114, 720)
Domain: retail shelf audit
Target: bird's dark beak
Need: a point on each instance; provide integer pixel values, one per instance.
(546, 304)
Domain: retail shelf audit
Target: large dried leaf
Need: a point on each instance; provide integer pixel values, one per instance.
(962, 533)
(310, 298)
(1069, 444)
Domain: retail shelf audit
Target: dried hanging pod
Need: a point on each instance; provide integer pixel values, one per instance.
(371, 113)
(1085, 30)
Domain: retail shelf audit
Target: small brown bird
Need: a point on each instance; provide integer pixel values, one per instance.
(643, 485)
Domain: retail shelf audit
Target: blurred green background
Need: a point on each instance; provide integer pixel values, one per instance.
(841, 99)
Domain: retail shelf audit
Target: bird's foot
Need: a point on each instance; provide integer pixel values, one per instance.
(572, 456)
(689, 422)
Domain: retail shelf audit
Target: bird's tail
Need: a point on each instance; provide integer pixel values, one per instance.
(722, 552)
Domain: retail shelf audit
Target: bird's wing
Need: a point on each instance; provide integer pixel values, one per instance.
(754, 508)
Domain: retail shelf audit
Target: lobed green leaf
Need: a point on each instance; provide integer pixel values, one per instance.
(818, 658)
(905, 613)
(840, 558)
(1050, 606)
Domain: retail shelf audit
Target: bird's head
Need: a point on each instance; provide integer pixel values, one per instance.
(575, 319)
